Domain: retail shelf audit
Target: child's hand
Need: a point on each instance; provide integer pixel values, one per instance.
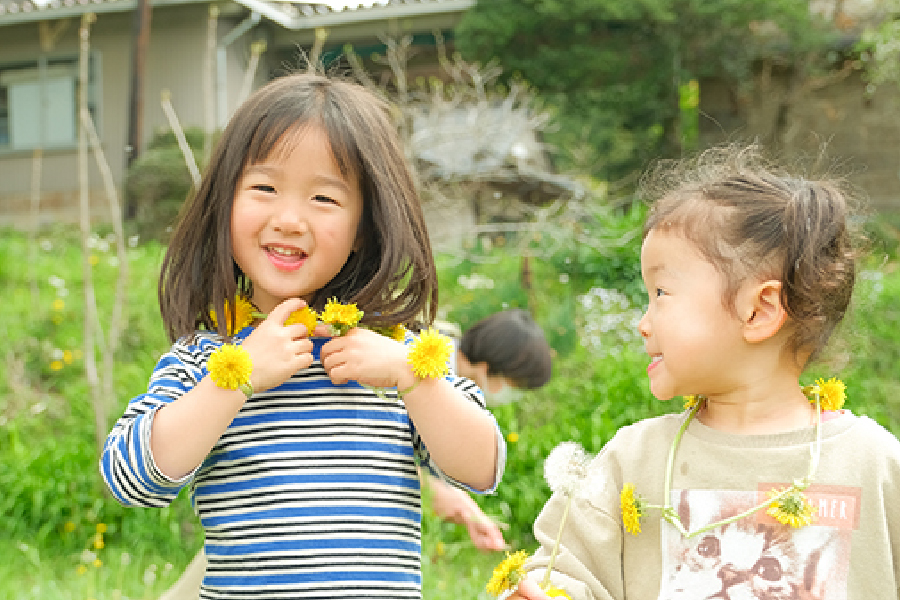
(278, 350)
(454, 505)
(529, 590)
(370, 358)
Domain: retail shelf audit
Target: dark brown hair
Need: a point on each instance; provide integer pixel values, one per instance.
(391, 276)
(512, 345)
(751, 219)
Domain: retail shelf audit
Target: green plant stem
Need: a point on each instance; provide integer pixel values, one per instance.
(555, 552)
(668, 512)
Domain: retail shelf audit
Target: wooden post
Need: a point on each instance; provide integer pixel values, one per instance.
(140, 43)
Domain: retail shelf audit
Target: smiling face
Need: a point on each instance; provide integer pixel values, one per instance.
(690, 335)
(295, 219)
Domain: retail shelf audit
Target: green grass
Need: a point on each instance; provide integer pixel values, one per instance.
(53, 501)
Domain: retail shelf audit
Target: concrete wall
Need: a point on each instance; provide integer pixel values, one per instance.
(855, 134)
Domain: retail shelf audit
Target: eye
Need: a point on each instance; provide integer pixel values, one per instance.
(660, 292)
(325, 199)
(262, 187)
(709, 547)
(768, 568)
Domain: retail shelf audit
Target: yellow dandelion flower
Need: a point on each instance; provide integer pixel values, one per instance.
(98, 541)
(512, 437)
(429, 354)
(507, 574)
(243, 314)
(69, 527)
(793, 509)
(56, 365)
(81, 569)
(305, 316)
(94, 260)
(98, 563)
(832, 394)
(555, 592)
(230, 366)
(59, 304)
(68, 357)
(691, 401)
(632, 509)
(101, 528)
(341, 317)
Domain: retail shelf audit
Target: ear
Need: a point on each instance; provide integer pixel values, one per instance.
(762, 311)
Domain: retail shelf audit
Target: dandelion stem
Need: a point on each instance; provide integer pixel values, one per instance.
(555, 552)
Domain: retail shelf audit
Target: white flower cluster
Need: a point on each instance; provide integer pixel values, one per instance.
(607, 322)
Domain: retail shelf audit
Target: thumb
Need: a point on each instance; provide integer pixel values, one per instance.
(280, 313)
(531, 590)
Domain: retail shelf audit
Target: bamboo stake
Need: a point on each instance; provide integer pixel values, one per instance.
(116, 322)
(36, 166)
(256, 49)
(90, 300)
(180, 137)
(208, 83)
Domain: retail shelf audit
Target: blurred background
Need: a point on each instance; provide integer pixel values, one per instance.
(529, 123)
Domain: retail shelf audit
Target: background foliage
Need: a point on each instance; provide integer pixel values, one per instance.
(617, 72)
(63, 537)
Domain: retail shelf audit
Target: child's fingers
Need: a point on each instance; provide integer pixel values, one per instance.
(281, 312)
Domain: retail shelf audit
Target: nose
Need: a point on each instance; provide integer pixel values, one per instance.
(289, 219)
(644, 325)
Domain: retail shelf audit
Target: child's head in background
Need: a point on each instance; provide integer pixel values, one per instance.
(772, 258)
(507, 348)
(384, 264)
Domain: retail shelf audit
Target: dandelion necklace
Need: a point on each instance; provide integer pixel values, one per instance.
(789, 505)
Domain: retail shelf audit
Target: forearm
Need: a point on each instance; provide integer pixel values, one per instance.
(461, 436)
(185, 430)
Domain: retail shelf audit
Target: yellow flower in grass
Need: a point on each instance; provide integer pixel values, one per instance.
(832, 393)
(429, 354)
(632, 509)
(341, 317)
(792, 509)
(243, 314)
(230, 366)
(305, 316)
(507, 574)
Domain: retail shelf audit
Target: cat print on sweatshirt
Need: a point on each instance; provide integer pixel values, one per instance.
(754, 558)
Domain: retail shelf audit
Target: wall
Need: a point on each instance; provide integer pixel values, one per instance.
(855, 135)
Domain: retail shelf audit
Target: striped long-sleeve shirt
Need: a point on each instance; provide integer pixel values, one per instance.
(312, 491)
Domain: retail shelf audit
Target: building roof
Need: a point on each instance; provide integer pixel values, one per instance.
(293, 15)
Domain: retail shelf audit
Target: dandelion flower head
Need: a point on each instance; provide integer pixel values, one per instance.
(306, 316)
(507, 574)
(566, 467)
(631, 510)
(792, 509)
(230, 366)
(832, 393)
(243, 314)
(341, 317)
(429, 354)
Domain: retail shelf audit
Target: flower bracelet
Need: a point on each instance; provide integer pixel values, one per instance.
(230, 367)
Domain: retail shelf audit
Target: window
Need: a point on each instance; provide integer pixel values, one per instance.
(39, 103)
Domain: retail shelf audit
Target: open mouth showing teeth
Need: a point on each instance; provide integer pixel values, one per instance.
(285, 252)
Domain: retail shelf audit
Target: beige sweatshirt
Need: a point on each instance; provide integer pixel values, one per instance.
(851, 552)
